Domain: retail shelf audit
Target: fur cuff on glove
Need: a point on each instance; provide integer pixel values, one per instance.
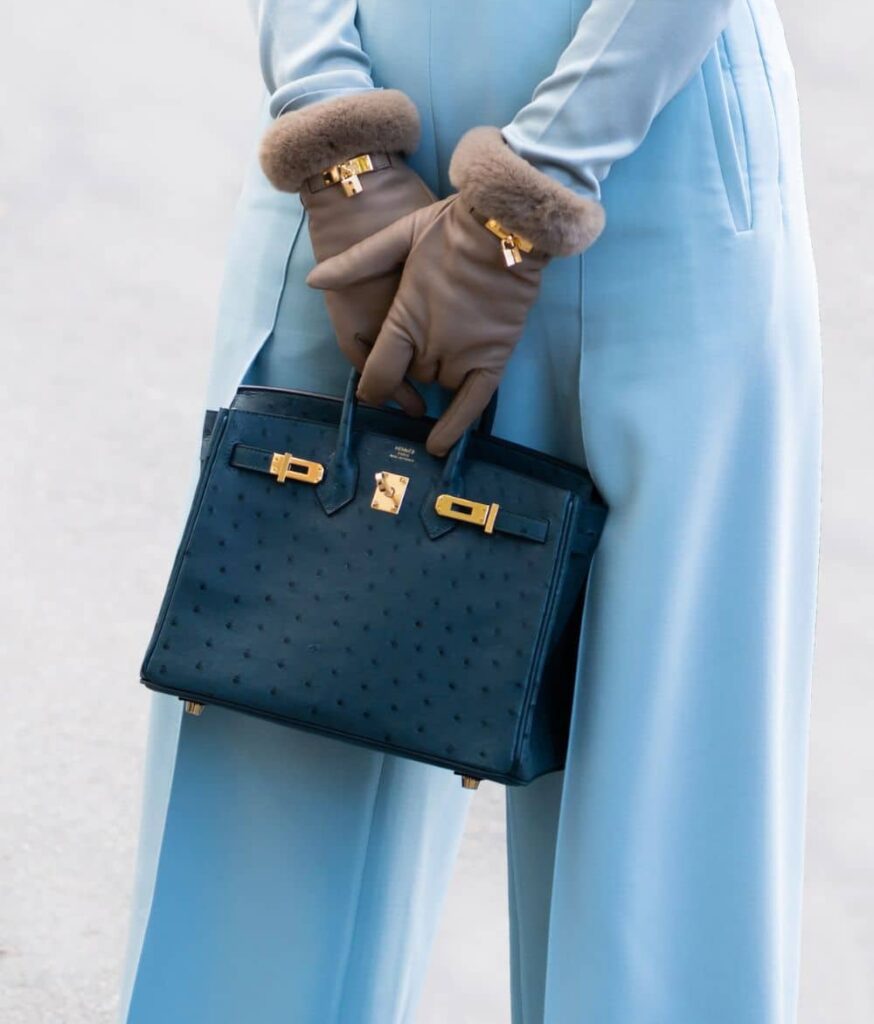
(306, 141)
(498, 183)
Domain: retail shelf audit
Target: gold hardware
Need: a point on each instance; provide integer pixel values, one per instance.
(512, 246)
(193, 708)
(470, 782)
(477, 512)
(346, 174)
(284, 465)
(390, 491)
(510, 252)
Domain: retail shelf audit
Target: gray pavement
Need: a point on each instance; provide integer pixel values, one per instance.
(123, 133)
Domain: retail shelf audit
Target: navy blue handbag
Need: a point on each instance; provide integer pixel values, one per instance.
(335, 577)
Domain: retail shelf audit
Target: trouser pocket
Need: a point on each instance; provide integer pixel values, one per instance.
(729, 133)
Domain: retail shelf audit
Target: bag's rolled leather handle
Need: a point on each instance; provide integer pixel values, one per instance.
(341, 470)
(451, 482)
(340, 482)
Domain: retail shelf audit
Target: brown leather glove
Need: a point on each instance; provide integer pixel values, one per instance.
(344, 157)
(471, 274)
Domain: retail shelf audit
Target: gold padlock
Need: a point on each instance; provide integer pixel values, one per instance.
(390, 491)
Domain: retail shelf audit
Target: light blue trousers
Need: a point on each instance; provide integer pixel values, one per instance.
(290, 879)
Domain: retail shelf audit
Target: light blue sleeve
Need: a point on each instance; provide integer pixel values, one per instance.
(309, 50)
(627, 59)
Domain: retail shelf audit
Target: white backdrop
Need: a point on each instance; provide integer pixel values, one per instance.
(124, 129)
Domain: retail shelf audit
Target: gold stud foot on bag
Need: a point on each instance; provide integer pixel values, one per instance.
(193, 708)
(470, 782)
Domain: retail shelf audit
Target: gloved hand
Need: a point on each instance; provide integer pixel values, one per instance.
(323, 151)
(472, 266)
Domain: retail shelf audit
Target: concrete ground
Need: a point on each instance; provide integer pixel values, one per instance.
(123, 133)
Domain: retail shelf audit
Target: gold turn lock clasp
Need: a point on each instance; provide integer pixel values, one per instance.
(477, 512)
(284, 465)
(347, 174)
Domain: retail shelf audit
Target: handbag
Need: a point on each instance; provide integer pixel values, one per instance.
(335, 577)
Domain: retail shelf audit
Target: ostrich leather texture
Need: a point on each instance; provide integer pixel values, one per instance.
(417, 635)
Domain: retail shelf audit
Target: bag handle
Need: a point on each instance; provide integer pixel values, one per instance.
(340, 482)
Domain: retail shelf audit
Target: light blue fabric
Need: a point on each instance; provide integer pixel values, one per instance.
(288, 878)
(625, 61)
(309, 51)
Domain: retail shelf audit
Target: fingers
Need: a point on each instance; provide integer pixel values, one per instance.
(373, 256)
(357, 351)
(468, 402)
(386, 364)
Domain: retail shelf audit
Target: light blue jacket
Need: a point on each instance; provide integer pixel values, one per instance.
(626, 60)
